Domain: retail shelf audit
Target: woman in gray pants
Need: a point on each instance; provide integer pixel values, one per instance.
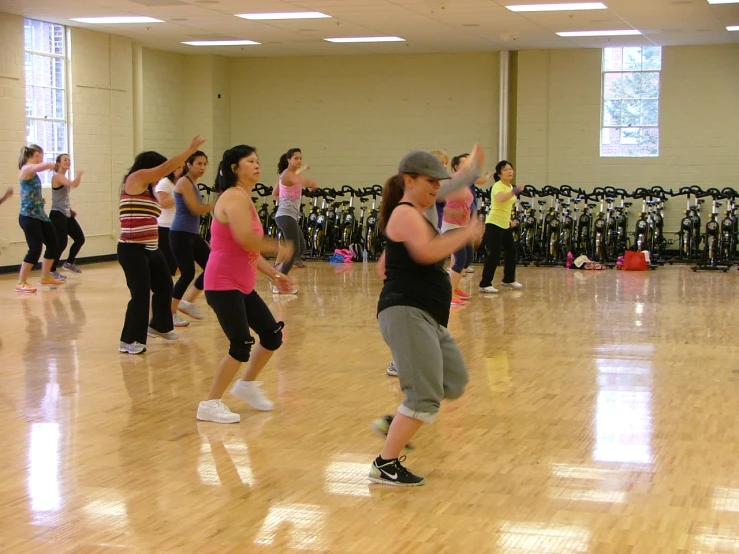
(413, 309)
(291, 186)
(468, 171)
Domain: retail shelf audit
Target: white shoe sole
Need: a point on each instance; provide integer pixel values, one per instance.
(201, 418)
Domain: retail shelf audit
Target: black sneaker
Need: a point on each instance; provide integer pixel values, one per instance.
(382, 425)
(392, 472)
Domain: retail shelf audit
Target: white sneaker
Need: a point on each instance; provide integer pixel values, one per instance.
(133, 348)
(188, 308)
(177, 321)
(169, 335)
(469, 271)
(514, 285)
(392, 371)
(487, 290)
(251, 393)
(217, 412)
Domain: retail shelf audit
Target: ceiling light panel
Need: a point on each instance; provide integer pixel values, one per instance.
(558, 7)
(617, 33)
(116, 20)
(364, 39)
(221, 43)
(282, 16)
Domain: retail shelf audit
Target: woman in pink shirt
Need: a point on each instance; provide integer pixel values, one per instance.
(237, 241)
(458, 210)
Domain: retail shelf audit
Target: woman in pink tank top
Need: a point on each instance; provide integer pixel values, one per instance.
(237, 241)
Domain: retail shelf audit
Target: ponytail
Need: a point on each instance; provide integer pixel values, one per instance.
(392, 192)
(217, 183)
(284, 162)
(26, 153)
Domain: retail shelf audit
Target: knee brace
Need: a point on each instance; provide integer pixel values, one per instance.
(272, 340)
(240, 349)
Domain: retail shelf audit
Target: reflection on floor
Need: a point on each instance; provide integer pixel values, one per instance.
(600, 417)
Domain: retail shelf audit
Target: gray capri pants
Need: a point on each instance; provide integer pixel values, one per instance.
(430, 366)
(291, 231)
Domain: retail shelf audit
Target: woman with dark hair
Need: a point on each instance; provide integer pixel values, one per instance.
(164, 192)
(291, 186)
(187, 245)
(498, 230)
(460, 207)
(33, 220)
(237, 241)
(468, 171)
(413, 309)
(138, 250)
(63, 216)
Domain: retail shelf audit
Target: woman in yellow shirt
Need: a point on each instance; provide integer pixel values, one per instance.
(498, 230)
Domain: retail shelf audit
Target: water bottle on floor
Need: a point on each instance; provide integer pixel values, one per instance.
(364, 259)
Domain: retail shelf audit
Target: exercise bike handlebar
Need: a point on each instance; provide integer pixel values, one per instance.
(262, 190)
(206, 188)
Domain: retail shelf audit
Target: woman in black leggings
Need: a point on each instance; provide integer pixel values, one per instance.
(63, 216)
(33, 220)
(188, 247)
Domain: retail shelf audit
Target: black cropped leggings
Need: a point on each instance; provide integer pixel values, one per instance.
(187, 249)
(38, 234)
(237, 313)
(66, 227)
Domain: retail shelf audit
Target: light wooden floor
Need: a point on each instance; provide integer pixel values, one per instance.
(602, 416)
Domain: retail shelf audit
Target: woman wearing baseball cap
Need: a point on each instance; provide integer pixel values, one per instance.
(413, 309)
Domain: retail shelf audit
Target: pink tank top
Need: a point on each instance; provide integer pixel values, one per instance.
(461, 201)
(230, 267)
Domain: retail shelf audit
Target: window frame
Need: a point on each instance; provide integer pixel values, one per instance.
(49, 153)
(641, 99)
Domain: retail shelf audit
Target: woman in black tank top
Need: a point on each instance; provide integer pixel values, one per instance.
(413, 309)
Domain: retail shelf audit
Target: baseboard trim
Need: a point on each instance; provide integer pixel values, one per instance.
(80, 261)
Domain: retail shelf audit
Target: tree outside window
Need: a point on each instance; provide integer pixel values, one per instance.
(630, 94)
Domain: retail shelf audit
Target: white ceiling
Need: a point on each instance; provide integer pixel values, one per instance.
(429, 26)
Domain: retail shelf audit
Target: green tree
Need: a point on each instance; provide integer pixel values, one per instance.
(631, 97)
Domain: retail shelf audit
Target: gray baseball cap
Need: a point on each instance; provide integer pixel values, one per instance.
(421, 162)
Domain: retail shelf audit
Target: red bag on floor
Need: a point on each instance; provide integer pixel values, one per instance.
(635, 261)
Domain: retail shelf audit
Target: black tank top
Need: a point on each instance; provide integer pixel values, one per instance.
(408, 283)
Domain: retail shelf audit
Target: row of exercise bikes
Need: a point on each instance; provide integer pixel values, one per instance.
(550, 223)
(553, 222)
(332, 221)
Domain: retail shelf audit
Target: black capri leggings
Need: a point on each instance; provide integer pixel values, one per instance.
(187, 249)
(66, 226)
(291, 232)
(166, 250)
(236, 313)
(38, 234)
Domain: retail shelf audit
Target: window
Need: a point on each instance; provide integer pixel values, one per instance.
(630, 120)
(46, 95)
